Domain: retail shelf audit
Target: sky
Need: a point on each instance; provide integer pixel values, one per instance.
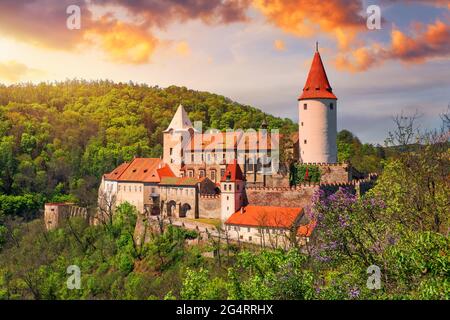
(256, 52)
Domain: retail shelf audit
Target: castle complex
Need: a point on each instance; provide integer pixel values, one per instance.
(237, 176)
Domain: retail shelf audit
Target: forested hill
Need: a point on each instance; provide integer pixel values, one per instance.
(59, 138)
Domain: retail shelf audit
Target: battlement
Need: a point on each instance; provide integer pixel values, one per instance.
(324, 164)
(210, 196)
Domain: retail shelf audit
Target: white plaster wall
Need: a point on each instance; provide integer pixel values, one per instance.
(318, 126)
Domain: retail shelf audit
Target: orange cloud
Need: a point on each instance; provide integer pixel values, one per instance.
(426, 42)
(123, 43)
(183, 49)
(306, 18)
(43, 23)
(14, 71)
(279, 45)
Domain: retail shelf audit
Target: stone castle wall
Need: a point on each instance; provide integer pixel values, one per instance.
(56, 213)
(209, 206)
(299, 196)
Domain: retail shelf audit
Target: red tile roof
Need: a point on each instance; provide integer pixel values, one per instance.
(115, 174)
(317, 85)
(306, 230)
(233, 172)
(141, 170)
(259, 216)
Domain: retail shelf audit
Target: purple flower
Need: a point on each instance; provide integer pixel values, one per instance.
(354, 293)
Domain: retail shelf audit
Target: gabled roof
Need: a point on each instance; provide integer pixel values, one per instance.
(317, 85)
(260, 216)
(140, 170)
(180, 120)
(115, 174)
(232, 173)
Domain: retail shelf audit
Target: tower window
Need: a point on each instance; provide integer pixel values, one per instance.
(305, 106)
(171, 149)
(331, 106)
(305, 141)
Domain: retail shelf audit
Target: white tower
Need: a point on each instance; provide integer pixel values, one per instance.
(232, 186)
(317, 117)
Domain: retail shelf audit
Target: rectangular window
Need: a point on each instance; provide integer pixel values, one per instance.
(250, 238)
(305, 106)
(171, 150)
(248, 229)
(305, 141)
(331, 106)
(213, 175)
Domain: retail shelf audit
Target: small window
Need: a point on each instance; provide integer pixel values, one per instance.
(305, 106)
(302, 124)
(241, 237)
(250, 238)
(305, 142)
(331, 106)
(225, 187)
(248, 229)
(228, 198)
(171, 150)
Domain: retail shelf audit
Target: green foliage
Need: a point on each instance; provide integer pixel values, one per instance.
(298, 173)
(198, 286)
(365, 158)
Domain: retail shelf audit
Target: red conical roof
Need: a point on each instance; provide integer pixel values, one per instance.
(233, 173)
(317, 85)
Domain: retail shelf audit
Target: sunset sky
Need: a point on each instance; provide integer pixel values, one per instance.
(256, 52)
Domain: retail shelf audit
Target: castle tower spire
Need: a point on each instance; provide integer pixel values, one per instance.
(180, 120)
(317, 116)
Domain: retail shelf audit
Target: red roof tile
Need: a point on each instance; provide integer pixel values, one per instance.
(233, 172)
(115, 174)
(317, 85)
(259, 216)
(165, 172)
(141, 170)
(307, 229)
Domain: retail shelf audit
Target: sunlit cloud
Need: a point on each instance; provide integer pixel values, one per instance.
(279, 45)
(182, 48)
(14, 71)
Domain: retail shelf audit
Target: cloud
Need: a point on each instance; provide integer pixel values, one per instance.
(122, 42)
(183, 49)
(305, 18)
(279, 45)
(14, 71)
(43, 23)
(426, 42)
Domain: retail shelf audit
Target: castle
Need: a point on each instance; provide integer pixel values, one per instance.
(237, 176)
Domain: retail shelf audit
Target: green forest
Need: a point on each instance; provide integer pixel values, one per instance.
(57, 139)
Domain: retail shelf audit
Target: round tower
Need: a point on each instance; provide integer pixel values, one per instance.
(317, 107)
